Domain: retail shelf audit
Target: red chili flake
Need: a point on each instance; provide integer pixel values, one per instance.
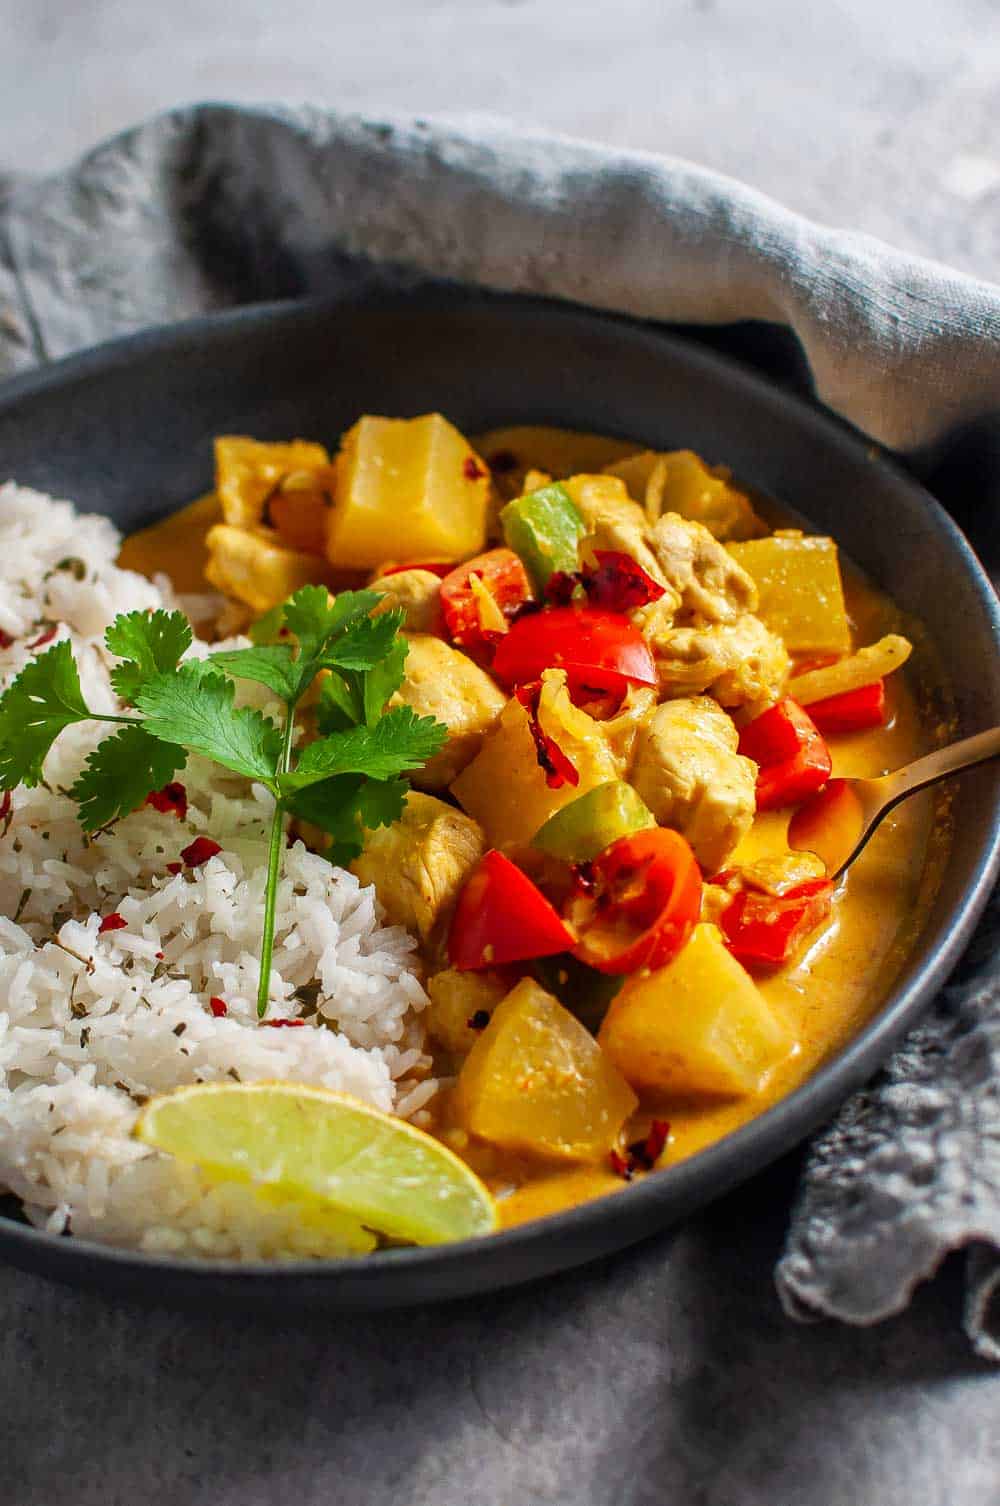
(584, 877)
(283, 1024)
(618, 583)
(620, 1166)
(159, 956)
(218, 1006)
(471, 469)
(561, 587)
(479, 1020)
(559, 769)
(284, 632)
(199, 851)
(175, 867)
(503, 460)
(112, 922)
(646, 1153)
(46, 637)
(527, 609)
(6, 810)
(172, 797)
(6, 641)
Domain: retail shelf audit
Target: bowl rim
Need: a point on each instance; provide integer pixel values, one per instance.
(708, 1173)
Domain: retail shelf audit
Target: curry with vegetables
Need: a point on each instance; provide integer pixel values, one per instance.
(646, 680)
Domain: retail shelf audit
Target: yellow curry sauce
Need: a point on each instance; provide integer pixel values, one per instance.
(832, 988)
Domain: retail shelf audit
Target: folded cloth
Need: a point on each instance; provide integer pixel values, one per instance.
(213, 206)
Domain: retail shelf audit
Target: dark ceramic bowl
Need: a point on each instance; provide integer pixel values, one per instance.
(127, 430)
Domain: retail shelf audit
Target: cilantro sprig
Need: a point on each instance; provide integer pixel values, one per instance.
(347, 779)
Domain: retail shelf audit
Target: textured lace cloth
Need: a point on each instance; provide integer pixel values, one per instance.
(214, 206)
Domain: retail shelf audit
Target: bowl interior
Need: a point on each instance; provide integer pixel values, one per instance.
(127, 430)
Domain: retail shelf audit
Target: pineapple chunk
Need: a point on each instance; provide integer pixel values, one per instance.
(537, 1081)
(247, 564)
(249, 471)
(504, 786)
(801, 597)
(698, 1027)
(456, 998)
(680, 481)
(415, 485)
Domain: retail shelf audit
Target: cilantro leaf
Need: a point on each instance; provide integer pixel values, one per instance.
(196, 710)
(267, 628)
(316, 620)
(345, 805)
(401, 740)
(120, 773)
(150, 643)
(384, 679)
(271, 665)
(364, 643)
(340, 704)
(43, 700)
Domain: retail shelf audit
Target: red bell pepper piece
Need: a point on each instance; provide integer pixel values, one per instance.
(853, 711)
(794, 761)
(598, 650)
(762, 930)
(642, 901)
(504, 577)
(437, 567)
(502, 917)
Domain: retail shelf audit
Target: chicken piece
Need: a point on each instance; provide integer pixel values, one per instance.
(456, 1000)
(247, 563)
(687, 770)
(418, 592)
(445, 684)
(420, 863)
(740, 663)
(711, 586)
(614, 522)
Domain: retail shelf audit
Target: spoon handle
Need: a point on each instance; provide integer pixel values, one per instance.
(943, 762)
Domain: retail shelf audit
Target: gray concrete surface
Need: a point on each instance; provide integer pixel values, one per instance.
(667, 1374)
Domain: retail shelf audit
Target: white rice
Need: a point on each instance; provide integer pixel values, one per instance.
(91, 1025)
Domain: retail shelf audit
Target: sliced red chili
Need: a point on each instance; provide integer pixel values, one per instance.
(644, 904)
(763, 930)
(199, 851)
(112, 922)
(218, 1006)
(558, 767)
(794, 761)
(172, 797)
(853, 711)
(598, 649)
(502, 574)
(619, 583)
(502, 917)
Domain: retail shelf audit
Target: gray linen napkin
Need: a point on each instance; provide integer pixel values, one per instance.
(213, 206)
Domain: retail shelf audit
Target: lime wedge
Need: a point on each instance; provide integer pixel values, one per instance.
(326, 1149)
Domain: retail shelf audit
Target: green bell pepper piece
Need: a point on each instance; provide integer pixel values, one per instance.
(545, 529)
(579, 831)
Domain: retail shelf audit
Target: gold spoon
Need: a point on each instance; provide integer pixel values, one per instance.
(837, 823)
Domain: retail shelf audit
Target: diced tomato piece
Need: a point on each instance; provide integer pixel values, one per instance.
(502, 917)
(641, 902)
(762, 930)
(854, 711)
(597, 649)
(437, 567)
(502, 575)
(794, 761)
